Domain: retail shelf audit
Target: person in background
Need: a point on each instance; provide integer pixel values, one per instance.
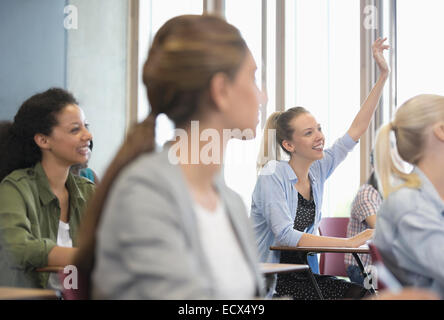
(163, 225)
(362, 216)
(41, 202)
(287, 199)
(409, 230)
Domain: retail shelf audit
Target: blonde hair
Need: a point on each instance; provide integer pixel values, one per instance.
(410, 126)
(277, 129)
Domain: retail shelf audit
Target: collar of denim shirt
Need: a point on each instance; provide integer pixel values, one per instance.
(291, 175)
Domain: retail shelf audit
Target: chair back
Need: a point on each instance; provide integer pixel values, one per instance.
(73, 289)
(333, 263)
(377, 262)
(390, 274)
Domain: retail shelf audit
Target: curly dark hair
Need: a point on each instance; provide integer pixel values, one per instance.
(36, 115)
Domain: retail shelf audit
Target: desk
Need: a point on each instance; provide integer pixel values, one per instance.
(354, 251)
(274, 268)
(8, 293)
(269, 269)
(50, 269)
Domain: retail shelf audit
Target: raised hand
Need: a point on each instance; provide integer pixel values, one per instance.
(378, 48)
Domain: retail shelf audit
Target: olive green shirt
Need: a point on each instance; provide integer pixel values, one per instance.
(29, 222)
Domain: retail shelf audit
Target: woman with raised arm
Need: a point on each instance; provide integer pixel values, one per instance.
(41, 202)
(163, 225)
(287, 199)
(410, 224)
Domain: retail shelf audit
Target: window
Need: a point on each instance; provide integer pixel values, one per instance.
(152, 15)
(420, 50)
(323, 75)
(240, 156)
(322, 61)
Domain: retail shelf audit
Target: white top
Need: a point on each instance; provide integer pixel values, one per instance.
(233, 279)
(63, 240)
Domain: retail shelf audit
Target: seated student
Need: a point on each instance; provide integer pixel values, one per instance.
(170, 227)
(287, 199)
(41, 203)
(410, 224)
(362, 216)
(83, 170)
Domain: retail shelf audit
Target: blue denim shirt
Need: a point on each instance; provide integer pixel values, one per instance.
(275, 201)
(410, 227)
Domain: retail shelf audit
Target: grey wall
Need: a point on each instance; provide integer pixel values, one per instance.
(96, 72)
(37, 52)
(32, 50)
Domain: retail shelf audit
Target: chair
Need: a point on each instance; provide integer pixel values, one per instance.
(79, 293)
(387, 271)
(333, 263)
(377, 262)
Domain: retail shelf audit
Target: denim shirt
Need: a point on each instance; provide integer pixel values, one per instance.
(410, 228)
(275, 201)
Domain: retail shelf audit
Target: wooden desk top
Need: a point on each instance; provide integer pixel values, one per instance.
(361, 249)
(271, 268)
(50, 269)
(8, 293)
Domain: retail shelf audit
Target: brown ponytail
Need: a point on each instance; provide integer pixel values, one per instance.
(139, 140)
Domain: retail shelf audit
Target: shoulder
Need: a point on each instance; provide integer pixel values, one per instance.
(19, 186)
(153, 167)
(150, 175)
(404, 197)
(21, 175)
(342, 144)
(85, 185)
(400, 202)
(143, 189)
(20, 178)
(273, 170)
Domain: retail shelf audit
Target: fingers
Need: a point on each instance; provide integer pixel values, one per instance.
(379, 44)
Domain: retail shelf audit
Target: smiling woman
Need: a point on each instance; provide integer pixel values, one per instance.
(41, 203)
(287, 199)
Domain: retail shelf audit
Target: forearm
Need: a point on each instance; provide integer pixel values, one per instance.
(61, 256)
(311, 240)
(365, 114)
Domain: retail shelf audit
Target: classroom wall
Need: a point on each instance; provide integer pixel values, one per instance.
(37, 53)
(33, 50)
(96, 72)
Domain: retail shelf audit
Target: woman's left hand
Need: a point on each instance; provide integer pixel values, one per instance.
(378, 48)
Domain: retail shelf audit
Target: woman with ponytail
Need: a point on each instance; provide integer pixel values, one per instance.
(287, 199)
(41, 202)
(410, 224)
(159, 228)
